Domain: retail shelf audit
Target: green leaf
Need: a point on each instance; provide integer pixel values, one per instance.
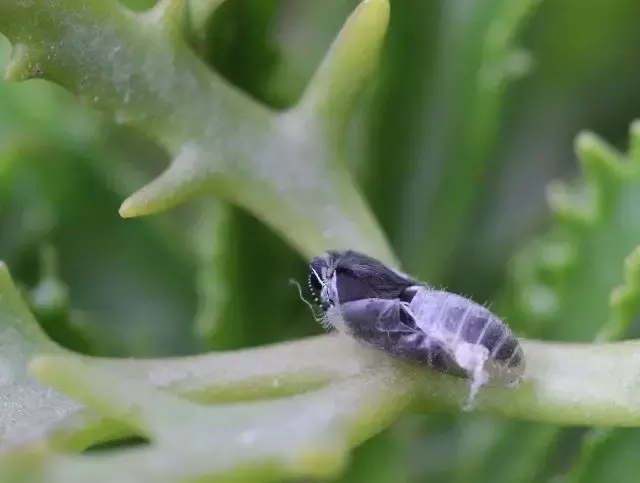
(610, 452)
(29, 408)
(295, 410)
(594, 231)
(326, 404)
(136, 68)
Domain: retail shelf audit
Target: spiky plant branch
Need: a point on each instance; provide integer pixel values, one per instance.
(286, 169)
(137, 68)
(554, 294)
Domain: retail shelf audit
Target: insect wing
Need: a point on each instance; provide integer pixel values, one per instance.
(372, 319)
(422, 309)
(387, 325)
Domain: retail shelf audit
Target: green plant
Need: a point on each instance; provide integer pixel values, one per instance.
(296, 409)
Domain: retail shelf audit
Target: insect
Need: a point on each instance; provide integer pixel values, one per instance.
(361, 277)
(393, 312)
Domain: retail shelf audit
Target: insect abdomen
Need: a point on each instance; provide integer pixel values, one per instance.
(438, 329)
(463, 320)
(458, 321)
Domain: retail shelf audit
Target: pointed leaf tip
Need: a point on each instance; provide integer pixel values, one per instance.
(352, 57)
(598, 158)
(624, 300)
(588, 143)
(568, 205)
(603, 169)
(184, 178)
(128, 208)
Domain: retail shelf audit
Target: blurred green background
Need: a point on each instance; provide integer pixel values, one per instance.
(453, 144)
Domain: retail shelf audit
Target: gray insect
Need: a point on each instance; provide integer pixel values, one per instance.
(390, 311)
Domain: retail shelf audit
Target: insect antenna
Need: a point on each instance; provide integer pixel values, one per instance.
(319, 318)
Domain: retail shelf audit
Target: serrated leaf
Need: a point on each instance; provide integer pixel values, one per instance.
(601, 448)
(595, 219)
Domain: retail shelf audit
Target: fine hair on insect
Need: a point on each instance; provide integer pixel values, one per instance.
(319, 317)
(388, 310)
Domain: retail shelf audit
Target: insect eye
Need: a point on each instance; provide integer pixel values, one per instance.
(317, 267)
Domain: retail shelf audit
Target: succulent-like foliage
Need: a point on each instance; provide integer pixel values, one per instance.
(348, 397)
(142, 73)
(552, 290)
(290, 409)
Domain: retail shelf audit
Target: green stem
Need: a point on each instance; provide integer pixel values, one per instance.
(565, 383)
(138, 69)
